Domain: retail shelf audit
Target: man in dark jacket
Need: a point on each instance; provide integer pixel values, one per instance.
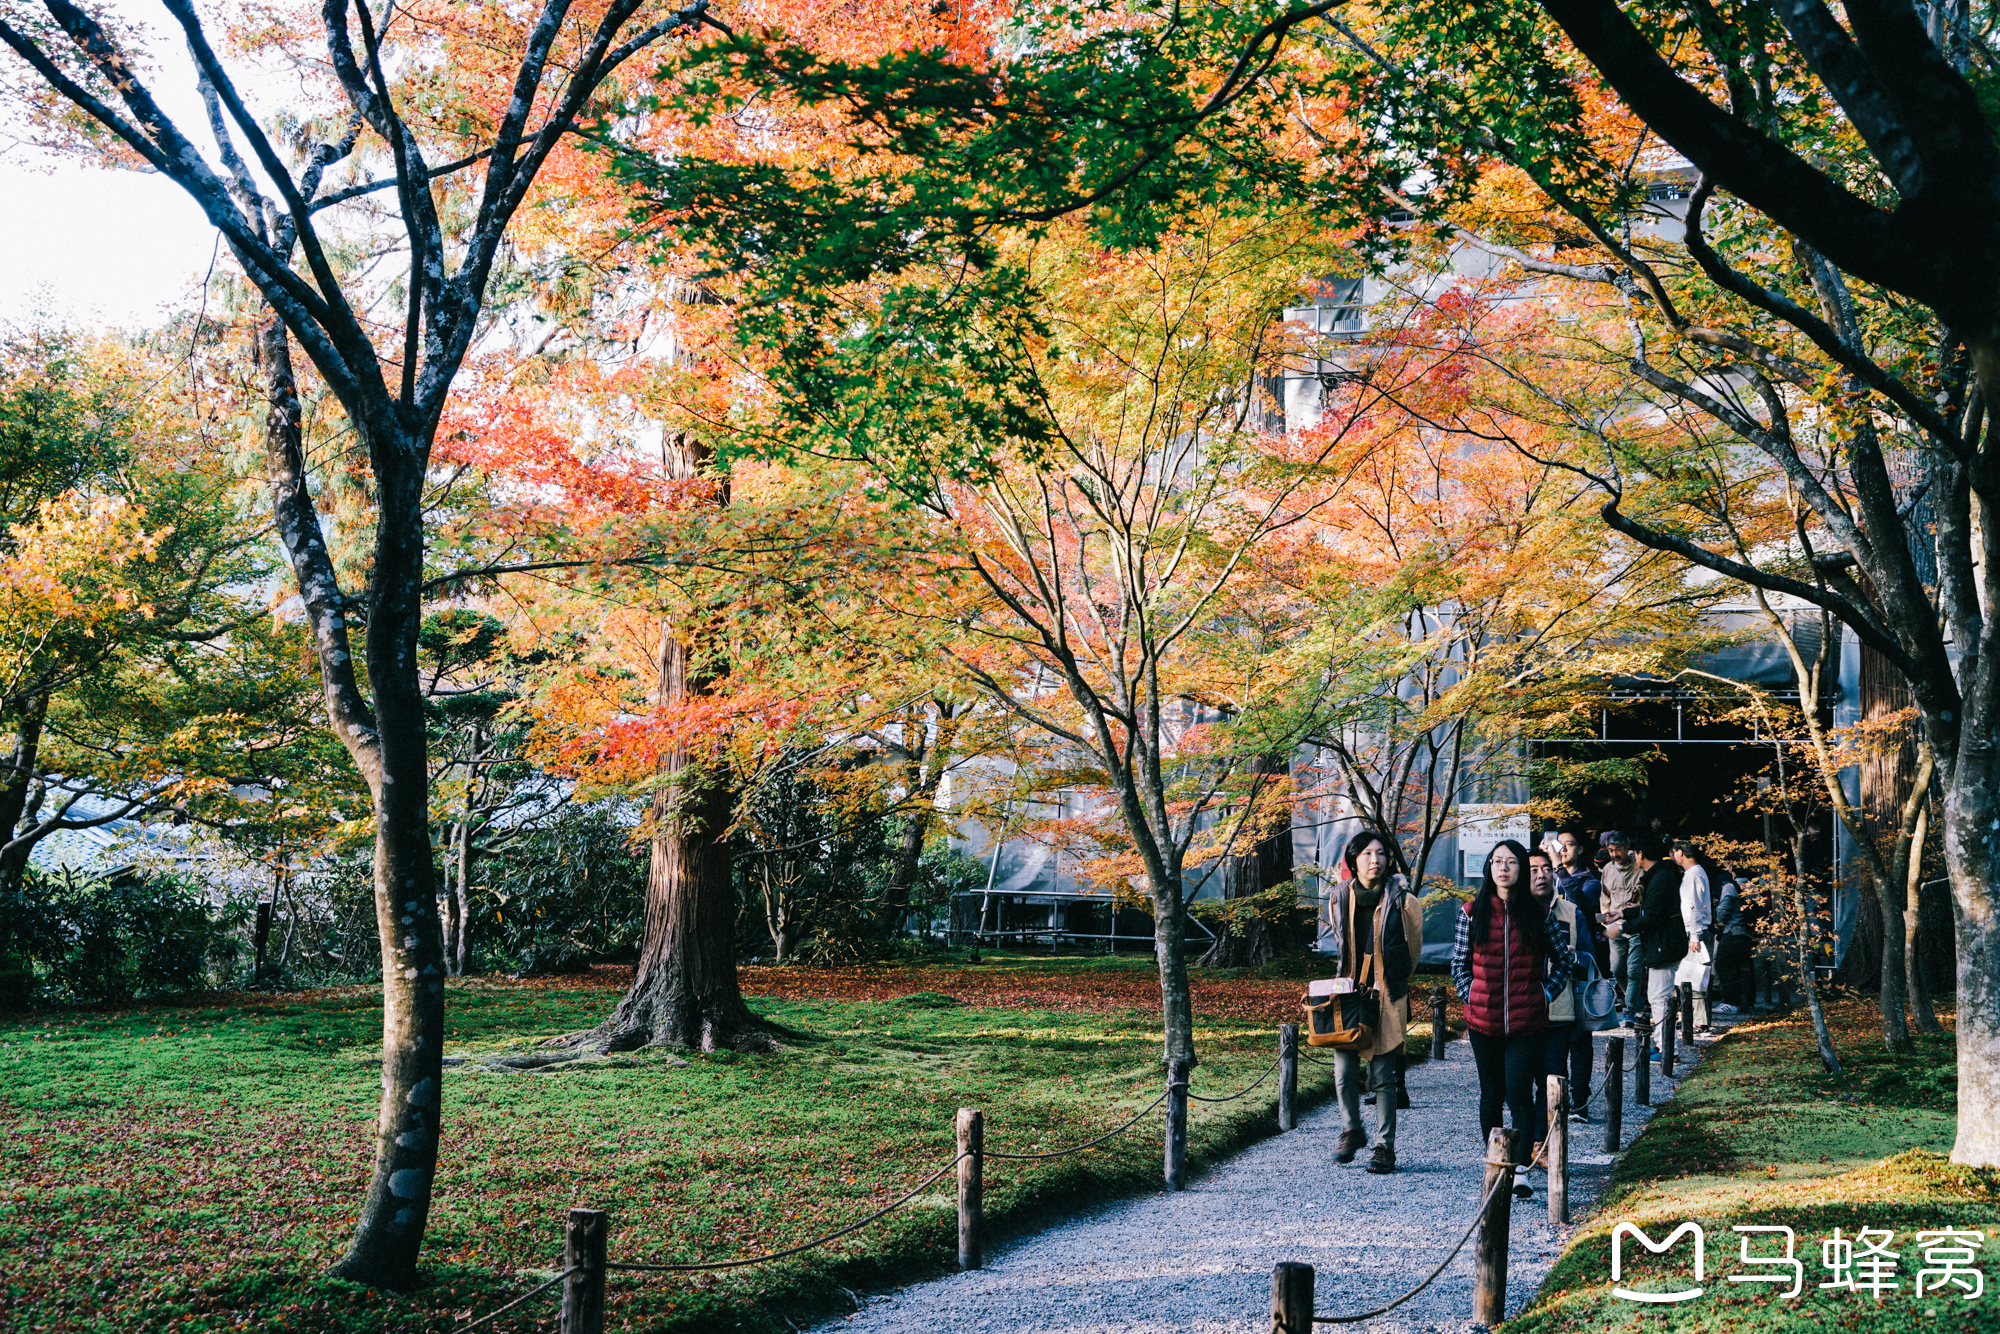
(1663, 938)
(1576, 880)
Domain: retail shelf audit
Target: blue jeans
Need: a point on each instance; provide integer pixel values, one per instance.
(1628, 974)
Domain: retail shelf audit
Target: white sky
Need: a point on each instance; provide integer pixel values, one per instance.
(97, 247)
(100, 247)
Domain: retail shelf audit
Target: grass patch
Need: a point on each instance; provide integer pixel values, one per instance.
(196, 1166)
(1759, 1134)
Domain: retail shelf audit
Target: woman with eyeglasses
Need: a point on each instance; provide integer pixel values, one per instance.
(1510, 958)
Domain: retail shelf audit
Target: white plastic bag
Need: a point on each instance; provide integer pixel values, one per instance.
(1695, 968)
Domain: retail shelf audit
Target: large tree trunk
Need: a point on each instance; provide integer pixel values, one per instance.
(686, 993)
(389, 746)
(1972, 859)
(384, 1250)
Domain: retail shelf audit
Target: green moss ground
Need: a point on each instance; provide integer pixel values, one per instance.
(196, 1166)
(1759, 1134)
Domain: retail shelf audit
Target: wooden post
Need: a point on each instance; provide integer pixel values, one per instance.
(1440, 1027)
(1489, 1277)
(583, 1253)
(1557, 1151)
(1288, 1076)
(1177, 1084)
(1614, 1092)
(971, 1187)
(1687, 1015)
(1642, 1068)
(1666, 1035)
(1291, 1298)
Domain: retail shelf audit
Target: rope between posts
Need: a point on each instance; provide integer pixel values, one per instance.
(536, 1292)
(803, 1246)
(1089, 1143)
(1240, 1092)
(1429, 1278)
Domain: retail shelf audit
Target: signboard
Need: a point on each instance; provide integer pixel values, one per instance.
(1481, 827)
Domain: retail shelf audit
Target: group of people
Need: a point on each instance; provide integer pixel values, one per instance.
(1542, 922)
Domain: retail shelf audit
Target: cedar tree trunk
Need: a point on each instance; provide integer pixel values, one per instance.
(685, 994)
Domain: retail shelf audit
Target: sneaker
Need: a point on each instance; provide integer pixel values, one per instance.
(1580, 1114)
(1724, 1009)
(1384, 1160)
(1351, 1143)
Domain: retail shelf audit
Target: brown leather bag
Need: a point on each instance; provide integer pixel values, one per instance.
(1346, 1021)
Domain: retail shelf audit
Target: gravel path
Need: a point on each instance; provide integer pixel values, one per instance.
(1201, 1260)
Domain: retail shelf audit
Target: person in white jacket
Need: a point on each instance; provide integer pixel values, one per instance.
(1697, 915)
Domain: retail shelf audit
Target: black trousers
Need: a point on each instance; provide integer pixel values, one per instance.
(1582, 1057)
(1508, 1068)
(1733, 976)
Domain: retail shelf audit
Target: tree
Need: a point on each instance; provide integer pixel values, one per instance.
(139, 673)
(1837, 257)
(483, 149)
(1105, 553)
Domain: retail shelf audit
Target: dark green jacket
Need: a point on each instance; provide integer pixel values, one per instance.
(1663, 938)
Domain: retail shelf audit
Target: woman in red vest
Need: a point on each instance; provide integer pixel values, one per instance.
(1510, 957)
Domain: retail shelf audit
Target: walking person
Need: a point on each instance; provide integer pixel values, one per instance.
(1663, 936)
(1509, 957)
(1576, 880)
(1697, 898)
(1378, 928)
(1558, 1041)
(1619, 914)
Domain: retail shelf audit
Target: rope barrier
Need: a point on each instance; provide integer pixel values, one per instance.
(792, 1250)
(1240, 1092)
(536, 1292)
(1089, 1143)
(627, 1266)
(1428, 1279)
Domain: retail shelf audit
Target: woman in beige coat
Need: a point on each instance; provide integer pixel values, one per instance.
(1376, 923)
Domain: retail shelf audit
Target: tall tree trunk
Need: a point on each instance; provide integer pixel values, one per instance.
(1972, 859)
(1808, 980)
(1170, 951)
(389, 745)
(686, 993)
(385, 1246)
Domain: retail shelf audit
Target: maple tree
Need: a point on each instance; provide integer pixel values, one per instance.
(460, 165)
(1099, 572)
(141, 674)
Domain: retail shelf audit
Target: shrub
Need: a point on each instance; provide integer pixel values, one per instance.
(559, 898)
(72, 937)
